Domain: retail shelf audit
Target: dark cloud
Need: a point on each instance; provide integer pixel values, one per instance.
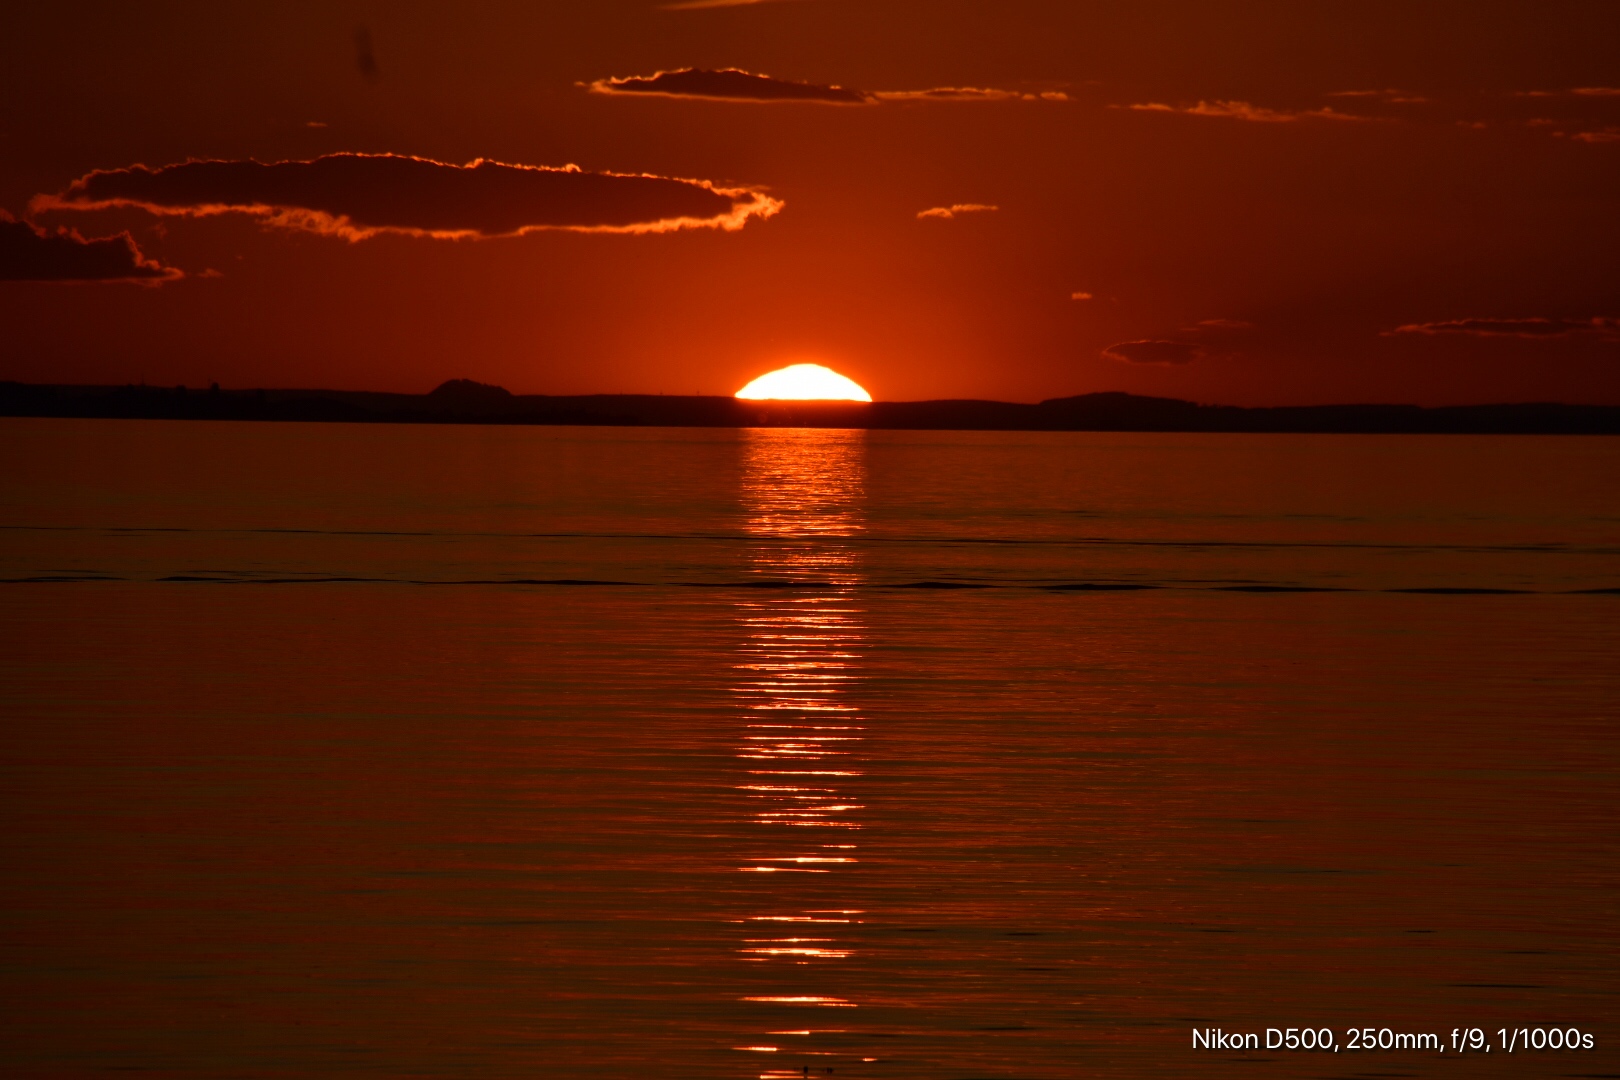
(31, 254)
(359, 195)
(1154, 352)
(729, 84)
(1532, 328)
(734, 84)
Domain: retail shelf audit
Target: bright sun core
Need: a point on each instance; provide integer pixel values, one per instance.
(804, 382)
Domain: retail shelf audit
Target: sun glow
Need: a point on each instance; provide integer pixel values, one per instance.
(803, 382)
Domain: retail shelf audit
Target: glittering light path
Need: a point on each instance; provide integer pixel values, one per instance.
(802, 729)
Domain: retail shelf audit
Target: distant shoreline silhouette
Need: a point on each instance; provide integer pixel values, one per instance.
(463, 401)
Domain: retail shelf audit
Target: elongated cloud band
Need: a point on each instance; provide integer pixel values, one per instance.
(31, 254)
(728, 84)
(1605, 329)
(1242, 110)
(968, 93)
(360, 195)
(734, 84)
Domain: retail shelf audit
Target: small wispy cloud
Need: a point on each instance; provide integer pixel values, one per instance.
(956, 210)
(1535, 328)
(1583, 114)
(1080, 296)
(1154, 351)
(1243, 110)
(1204, 339)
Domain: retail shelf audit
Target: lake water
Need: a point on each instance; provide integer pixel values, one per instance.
(417, 751)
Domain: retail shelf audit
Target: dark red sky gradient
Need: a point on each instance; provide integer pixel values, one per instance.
(1326, 202)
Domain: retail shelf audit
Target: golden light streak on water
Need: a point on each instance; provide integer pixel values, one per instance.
(802, 496)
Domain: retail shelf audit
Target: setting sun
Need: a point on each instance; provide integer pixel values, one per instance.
(804, 382)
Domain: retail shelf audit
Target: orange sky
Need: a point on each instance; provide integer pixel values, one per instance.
(1250, 204)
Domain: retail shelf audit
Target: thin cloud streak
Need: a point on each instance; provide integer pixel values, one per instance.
(1388, 97)
(968, 93)
(1243, 110)
(357, 196)
(956, 209)
(1536, 328)
(29, 253)
(1574, 91)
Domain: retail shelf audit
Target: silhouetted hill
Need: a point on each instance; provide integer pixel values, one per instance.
(463, 401)
(465, 393)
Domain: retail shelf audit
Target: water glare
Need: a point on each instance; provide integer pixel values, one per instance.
(803, 500)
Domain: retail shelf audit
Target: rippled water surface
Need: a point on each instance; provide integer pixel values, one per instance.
(498, 752)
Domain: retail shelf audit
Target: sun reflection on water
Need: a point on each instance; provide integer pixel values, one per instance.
(803, 496)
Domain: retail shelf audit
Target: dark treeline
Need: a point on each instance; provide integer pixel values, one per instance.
(463, 402)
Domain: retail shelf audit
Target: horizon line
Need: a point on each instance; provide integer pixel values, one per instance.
(496, 392)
